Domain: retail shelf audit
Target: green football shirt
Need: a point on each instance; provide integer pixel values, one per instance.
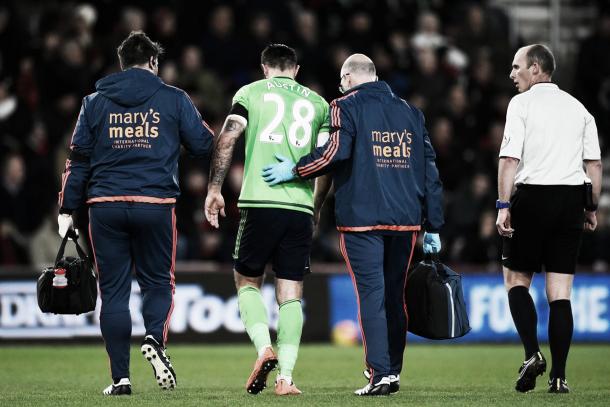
(284, 118)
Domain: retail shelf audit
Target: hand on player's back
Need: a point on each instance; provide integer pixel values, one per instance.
(274, 174)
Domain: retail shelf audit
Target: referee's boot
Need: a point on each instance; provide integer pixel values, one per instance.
(257, 381)
(529, 370)
(162, 367)
(381, 388)
(121, 388)
(558, 385)
(394, 380)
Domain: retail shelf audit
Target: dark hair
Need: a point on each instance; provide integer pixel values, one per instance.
(137, 49)
(541, 55)
(279, 56)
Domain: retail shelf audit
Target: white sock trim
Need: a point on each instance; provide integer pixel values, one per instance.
(262, 350)
(284, 377)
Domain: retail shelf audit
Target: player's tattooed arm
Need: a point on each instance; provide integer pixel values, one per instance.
(221, 161)
(223, 150)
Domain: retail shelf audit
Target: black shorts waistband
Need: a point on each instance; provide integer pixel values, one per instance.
(540, 187)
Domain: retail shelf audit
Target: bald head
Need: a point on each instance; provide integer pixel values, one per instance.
(532, 64)
(356, 70)
(359, 64)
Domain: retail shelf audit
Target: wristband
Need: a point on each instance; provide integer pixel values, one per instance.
(591, 208)
(502, 204)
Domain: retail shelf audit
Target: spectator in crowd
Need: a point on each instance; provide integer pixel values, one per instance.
(220, 42)
(44, 243)
(18, 217)
(449, 160)
(447, 58)
(206, 88)
(15, 118)
(467, 231)
(430, 81)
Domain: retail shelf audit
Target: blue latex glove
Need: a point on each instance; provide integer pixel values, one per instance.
(274, 174)
(432, 243)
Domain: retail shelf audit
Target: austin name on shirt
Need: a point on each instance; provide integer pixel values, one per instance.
(134, 124)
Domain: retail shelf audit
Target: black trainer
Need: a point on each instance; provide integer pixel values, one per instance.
(381, 388)
(529, 370)
(122, 388)
(162, 367)
(558, 385)
(394, 381)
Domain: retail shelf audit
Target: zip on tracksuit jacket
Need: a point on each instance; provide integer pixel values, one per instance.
(384, 172)
(126, 142)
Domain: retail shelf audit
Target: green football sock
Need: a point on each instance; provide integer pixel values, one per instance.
(290, 326)
(254, 316)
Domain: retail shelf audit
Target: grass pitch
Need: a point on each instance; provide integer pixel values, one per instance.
(458, 375)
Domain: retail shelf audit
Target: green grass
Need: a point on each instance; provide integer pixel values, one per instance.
(215, 375)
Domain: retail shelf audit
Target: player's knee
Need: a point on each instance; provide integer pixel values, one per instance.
(242, 280)
(288, 290)
(515, 278)
(558, 292)
(558, 286)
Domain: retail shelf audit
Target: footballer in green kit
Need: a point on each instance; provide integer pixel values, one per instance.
(282, 120)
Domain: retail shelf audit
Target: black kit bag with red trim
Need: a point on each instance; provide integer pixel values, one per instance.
(70, 286)
(435, 301)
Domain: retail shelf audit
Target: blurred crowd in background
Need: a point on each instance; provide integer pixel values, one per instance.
(449, 58)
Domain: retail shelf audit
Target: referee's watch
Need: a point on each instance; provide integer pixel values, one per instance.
(502, 204)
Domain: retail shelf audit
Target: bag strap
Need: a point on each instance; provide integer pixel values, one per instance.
(62, 248)
(79, 249)
(60, 253)
(435, 261)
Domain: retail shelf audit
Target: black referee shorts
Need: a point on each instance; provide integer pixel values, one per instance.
(548, 222)
(280, 236)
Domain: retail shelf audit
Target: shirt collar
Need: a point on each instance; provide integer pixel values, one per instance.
(544, 85)
(282, 77)
(376, 85)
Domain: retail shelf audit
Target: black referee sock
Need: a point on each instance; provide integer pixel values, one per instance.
(523, 310)
(561, 326)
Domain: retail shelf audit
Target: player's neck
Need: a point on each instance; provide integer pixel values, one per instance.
(540, 79)
(279, 74)
(144, 67)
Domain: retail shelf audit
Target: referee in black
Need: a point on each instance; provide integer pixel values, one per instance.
(551, 153)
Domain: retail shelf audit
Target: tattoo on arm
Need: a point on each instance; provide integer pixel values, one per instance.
(223, 151)
(232, 125)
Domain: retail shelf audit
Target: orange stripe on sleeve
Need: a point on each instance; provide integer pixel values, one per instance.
(331, 149)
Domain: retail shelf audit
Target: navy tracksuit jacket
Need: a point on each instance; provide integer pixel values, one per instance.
(386, 187)
(124, 161)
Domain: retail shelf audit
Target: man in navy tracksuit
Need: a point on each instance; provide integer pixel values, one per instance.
(124, 160)
(386, 187)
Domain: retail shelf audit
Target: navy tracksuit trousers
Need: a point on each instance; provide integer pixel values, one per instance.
(378, 266)
(133, 236)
